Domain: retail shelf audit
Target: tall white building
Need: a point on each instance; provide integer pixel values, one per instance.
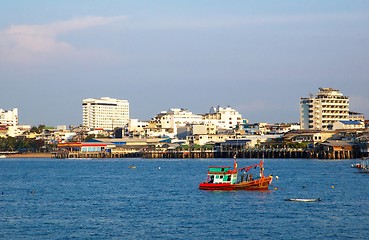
(107, 113)
(9, 118)
(320, 112)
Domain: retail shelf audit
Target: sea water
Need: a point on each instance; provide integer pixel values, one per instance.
(160, 199)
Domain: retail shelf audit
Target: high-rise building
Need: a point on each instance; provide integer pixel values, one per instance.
(9, 118)
(321, 111)
(107, 113)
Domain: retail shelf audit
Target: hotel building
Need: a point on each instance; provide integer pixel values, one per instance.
(106, 113)
(320, 112)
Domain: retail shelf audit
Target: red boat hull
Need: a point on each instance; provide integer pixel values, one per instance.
(259, 184)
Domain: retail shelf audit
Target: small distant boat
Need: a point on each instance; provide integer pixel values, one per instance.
(303, 199)
(362, 167)
(132, 167)
(356, 165)
(2, 156)
(227, 179)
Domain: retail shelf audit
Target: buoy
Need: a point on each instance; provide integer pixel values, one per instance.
(332, 186)
(159, 168)
(276, 177)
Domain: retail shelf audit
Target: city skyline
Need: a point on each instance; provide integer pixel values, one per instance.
(259, 58)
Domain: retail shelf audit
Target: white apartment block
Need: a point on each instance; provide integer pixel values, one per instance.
(106, 113)
(223, 118)
(137, 127)
(320, 112)
(176, 117)
(9, 118)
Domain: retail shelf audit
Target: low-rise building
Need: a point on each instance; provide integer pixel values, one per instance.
(137, 127)
(307, 136)
(253, 140)
(348, 125)
(223, 118)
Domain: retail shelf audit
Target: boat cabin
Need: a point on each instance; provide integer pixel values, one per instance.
(222, 175)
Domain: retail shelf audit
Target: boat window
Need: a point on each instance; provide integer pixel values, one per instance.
(221, 176)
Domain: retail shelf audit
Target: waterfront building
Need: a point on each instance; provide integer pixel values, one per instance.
(107, 113)
(321, 111)
(310, 136)
(252, 140)
(9, 117)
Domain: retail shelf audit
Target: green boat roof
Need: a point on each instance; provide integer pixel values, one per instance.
(219, 169)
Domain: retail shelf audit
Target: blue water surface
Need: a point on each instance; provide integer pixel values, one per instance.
(159, 199)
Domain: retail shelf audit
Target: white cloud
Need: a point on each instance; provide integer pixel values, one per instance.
(21, 43)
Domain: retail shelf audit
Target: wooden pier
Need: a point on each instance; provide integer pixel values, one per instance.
(206, 153)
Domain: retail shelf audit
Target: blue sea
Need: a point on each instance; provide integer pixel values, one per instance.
(159, 199)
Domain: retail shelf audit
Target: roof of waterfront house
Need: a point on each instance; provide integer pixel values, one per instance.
(130, 141)
(337, 143)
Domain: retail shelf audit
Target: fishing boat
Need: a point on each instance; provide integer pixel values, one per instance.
(227, 179)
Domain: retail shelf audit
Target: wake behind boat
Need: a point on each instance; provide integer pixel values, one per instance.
(303, 199)
(227, 179)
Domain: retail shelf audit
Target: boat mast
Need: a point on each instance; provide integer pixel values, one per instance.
(261, 169)
(234, 162)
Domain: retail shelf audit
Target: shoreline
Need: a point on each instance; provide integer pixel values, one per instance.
(29, 155)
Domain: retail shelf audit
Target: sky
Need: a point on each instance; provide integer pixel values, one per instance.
(258, 57)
